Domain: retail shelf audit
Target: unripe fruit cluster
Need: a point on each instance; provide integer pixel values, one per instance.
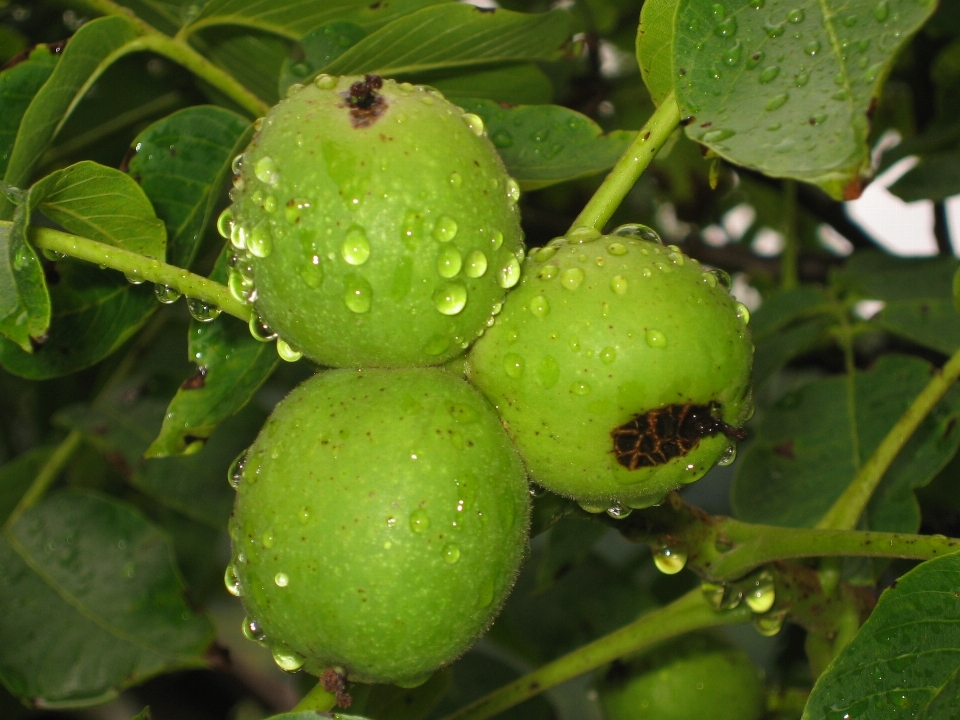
(382, 512)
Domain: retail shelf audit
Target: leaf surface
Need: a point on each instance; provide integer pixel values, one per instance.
(18, 85)
(655, 46)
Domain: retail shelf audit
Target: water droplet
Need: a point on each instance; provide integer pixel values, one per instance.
(617, 249)
(669, 561)
(581, 387)
(281, 579)
(774, 30)
(733, 55)
(726, 28)
(801, 79)
(778, 101)
(166, 294)
(812, 48)
(818, 119)
(476, 264)
(287, 660)
(619, 284)
(539, 306)
(882, 11)
(718, 11)
(201, 311)
(513, 365)
(709, 278)
(449, 261)
(548, 371)
(266, 170)
(513, 190)
(287, 353)
(743, 313)
(419, 520)
(260, 242)
(714, 136)
(450, 298)
(355, 248)
(796, 16)
(325, 82)
(638, 231)
(474, 122)
(770, 625)
(242, 288)
(236, 165)
(761, 594)
(656, 339)
(225, 222)
(723, 278)
(304, 516)
(238, 236)
(294, 88)
(618, 511)
(572, 278)
(437, 345)
(608, 355)
(445, 229)
(509, 274)
(451, 554)
(259, 330)
(728, 456)
(769, 74)
(252, 630)
(232, 581)
(502, 139)
(357, 294)
(455, 179)
(268, 539)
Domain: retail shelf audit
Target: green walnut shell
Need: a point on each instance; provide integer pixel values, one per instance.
(699, 676)
(382, 236)
(602, 330)
(380, 519)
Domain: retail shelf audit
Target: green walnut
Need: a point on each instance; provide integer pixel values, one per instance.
(374, 224)
(699, 676)
(380, 520)
(620, 367)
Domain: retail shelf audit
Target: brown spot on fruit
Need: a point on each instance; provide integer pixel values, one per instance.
(365, 103)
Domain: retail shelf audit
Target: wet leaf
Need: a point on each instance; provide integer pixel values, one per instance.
(317, 49)
(518, 84)
(18, 85)
(655, 46)
(935, 177)
(98, 601)
(787, 88)
(17, 476)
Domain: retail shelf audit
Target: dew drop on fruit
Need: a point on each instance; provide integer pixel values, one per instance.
(619, 284)
(548, 272)
(638, 231)
(617, 248)
(419, 520)
(723, 278)
(201, 311)
(235, 473)
(281, 579)
(485, 593)
(450, 298)
(509, 274)
(325, 82)
(656, 339)
(449, 261)
(669, 561)
(270, 204)
(608, 355)
(231, 581)
(496, 239)
(287, 353)
(236, 165)
(513, 190)
(572, 278)
(676, 256)
(225, 223)
(455, 179)
(539, 306)
(357, 294)
(240, 287)
(445, 229)
(287, 660)
(743, 313)
(583, 235)
(252, 630)
(713, 593)
(593, 508)
(312, 273)
(266, 171)
(761, 594)
(451, 554)
(476, 264)
(303, 517)
(293, 89)
(259, 330)
(548, 371)
(268, 539)
(709, 278)
(437, 345)
(474, 122)
(355, 248)
(646, 272)
(729, 455)
(166, 294)
(769, 625)
(581, 387)
(513, 365)
(238, 236)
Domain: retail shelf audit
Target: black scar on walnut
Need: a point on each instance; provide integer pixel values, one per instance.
(656, 437)
(365, 103)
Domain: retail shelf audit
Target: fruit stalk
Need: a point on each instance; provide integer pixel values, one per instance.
(141, 269)
(630, 167)
(846, 511)
(689, 612)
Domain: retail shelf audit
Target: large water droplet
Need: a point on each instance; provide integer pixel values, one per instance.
(513, 190)
(260, 242)
(166, 294)
(761, 593)
(714, 136)
(259, 330)
(325, 82)
(812, 48)
(287, 660)
(450, 298)
(281, 579)
(723, 278)
(618, 511)
(770, 625)
(778, 101)
(445, 228)
(608, 355)
(669, 561)
(572, 278)
(496, 239)
(225, 223)
(253, 631)
(728, 456)
(796, 16)
(455, 179)
(266, 171)
(733, 55)
(775, 30)
(656, 339)
(474, 122)
(357, 294)
(882, 11)
(727, 27)
(242, 288)
(769, 74)
(449, 261)
(619, 284)
(355, 248)
(509, 274)
(476, 264)
(513, 365)
(743, 313)
(238, 236)
(636, 230)
(287, 353)
(268, 539)
(451, 554)
(419, 520)
(539, 306)
(581, 387)
(231, 581)
(201, 311)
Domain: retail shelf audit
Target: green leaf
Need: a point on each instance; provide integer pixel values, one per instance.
(905, 661)
(935, 177)
(569, 542)
(24, 300)
(17, 476)
(143, 715)
(786, 88)
(655, 46)
(295, 18)
(317, 49)
(788, 324)
(455, 35)
(518, 84)
(542, 145)
(253, 58)
(181, 163)
(389, 702)
(18, 85)
(102, 204)
(82, 62)
(931, 323)
(809, 445)
(92, 603)
(232, 367)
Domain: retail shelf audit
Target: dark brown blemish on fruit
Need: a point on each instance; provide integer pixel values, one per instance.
(334, 682)
(365, 103)
(195, 381)
(656, 437)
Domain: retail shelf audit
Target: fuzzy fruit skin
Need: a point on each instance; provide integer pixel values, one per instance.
(387, 240)
(397, 510)
(698, 677)
(598, 332)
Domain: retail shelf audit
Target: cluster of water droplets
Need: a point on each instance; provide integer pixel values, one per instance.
(757, 591)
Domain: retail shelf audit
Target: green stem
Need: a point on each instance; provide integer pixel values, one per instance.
(846, 511)
(687, 613)
(48, 473)
(789, 272)
(318, 700)
(142, 268)
(630, 167)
